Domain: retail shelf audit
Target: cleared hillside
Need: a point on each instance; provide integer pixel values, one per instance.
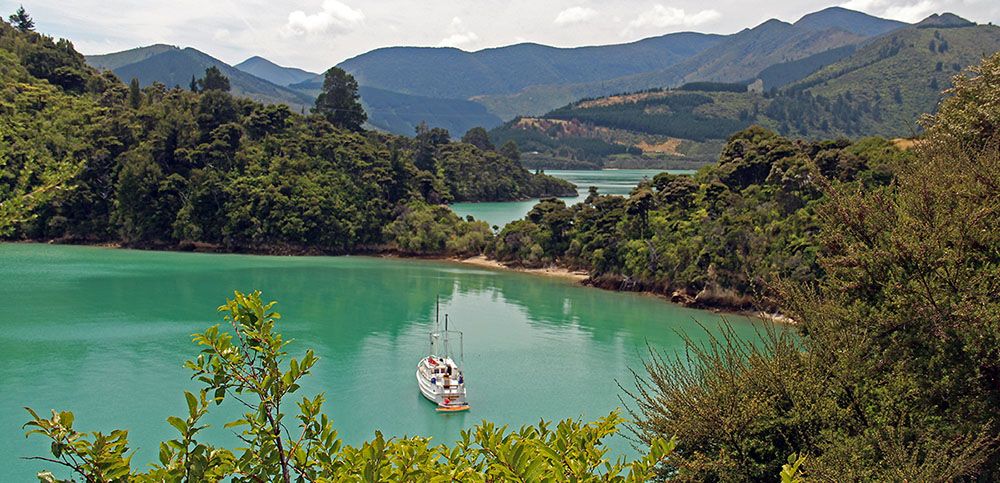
(901, 75)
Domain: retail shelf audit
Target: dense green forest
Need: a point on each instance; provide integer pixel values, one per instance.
(89, 159)
(895, 375)
(714, 239)
(887, 263)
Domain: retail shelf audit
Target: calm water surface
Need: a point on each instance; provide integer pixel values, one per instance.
(608, 182)
(104, 332)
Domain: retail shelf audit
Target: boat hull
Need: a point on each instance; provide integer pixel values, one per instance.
(447, 399)
(439, 395)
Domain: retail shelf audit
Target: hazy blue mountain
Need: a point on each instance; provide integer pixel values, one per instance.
(174, 67)
(454, 73)
(401, 113)
(850, 21)
(406, 85)
(880, 87)
(742, 55)
(274, 73)
(734, 58)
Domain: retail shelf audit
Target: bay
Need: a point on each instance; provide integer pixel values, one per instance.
(607, 181)
(104, 332)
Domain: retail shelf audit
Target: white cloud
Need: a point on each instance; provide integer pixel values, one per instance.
(575, 15)
(906, 11)
(660, 17)
(333, 15)
(459, 35)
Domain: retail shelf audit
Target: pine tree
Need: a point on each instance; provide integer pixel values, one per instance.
(339, 101)
(510, 151)
(479, 138)
(214, 80)
(134, 94)
(22, 21)
(194, 84)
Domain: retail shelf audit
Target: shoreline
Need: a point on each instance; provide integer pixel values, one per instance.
(552, 272)
(577, 277)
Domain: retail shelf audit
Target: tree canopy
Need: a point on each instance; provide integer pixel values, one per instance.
(339, 101)
(21, 20)
(478, 137)
(894, 375)
(214, 80)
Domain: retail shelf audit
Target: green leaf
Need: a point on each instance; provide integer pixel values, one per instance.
(178, 423)
(192, 403)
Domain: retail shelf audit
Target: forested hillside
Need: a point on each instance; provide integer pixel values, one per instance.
(882, 88)
(717, 238)
(894, 374)
(168, 167)
(458, 90)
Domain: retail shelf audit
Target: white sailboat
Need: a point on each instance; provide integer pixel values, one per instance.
(439, 375)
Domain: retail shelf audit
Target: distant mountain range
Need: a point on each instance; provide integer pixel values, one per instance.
(265, 81)
(877, 87)
(456, 74)
(455, 89)
(174, 66)
(732, 58)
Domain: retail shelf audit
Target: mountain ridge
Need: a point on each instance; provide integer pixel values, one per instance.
(879, 88)
(175, 66)
(437, 84)
(274, 73)
(737, 57)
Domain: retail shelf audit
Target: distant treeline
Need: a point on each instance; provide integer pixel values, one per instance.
(670, 115)
(714, 87)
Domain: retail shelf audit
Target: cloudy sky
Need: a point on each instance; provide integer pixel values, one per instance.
(316, 34)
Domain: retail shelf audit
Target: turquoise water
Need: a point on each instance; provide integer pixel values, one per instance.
(104, 332)
(608, 181)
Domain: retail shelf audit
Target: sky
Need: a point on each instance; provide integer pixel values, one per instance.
(317, 34)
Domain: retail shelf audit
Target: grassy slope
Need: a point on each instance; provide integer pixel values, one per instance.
(912, 71)
(736, 58)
